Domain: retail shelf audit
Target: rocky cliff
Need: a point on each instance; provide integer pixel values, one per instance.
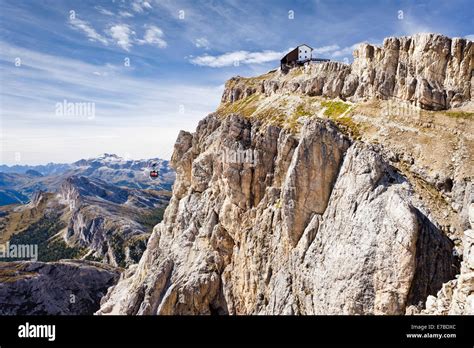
(110, 221)
(431, 71)
(287, 203)
(68, 287)
(455, 296)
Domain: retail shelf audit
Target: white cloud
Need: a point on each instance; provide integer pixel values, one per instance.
(125, 37)
(153, 36)
(87, 29)
(346, 51)
(125, 14)
(122, 34)
(201, 42)
(98, 73)
(469, 37)
(240, 57)
(325, 49)
(104, 11)
(139, 6)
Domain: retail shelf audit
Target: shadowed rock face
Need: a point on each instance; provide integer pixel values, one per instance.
(67, 287)
(432, 71)
(455, 297)
(315, 225)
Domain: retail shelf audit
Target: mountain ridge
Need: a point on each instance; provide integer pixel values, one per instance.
(96, 219)
(18, 183)
(432, 71)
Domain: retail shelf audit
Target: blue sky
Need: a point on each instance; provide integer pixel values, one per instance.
(153, 67)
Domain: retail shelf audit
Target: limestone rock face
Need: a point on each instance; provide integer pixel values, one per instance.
(105, 219)
(456, 296)
(67, 287)
(367, 244)
(431, 71)
(310, 177)
(263, 221)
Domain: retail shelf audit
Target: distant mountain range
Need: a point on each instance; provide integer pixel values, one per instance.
(43, 169)
(100, 209)
(19, 182)
(86, 218)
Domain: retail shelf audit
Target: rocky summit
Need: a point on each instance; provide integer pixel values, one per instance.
(432, 71)
(330, 189)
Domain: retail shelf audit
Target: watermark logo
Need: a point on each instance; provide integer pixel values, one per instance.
(37, 331)
(400, 108)
(248, 156)
(76, 109)
(19, 251)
